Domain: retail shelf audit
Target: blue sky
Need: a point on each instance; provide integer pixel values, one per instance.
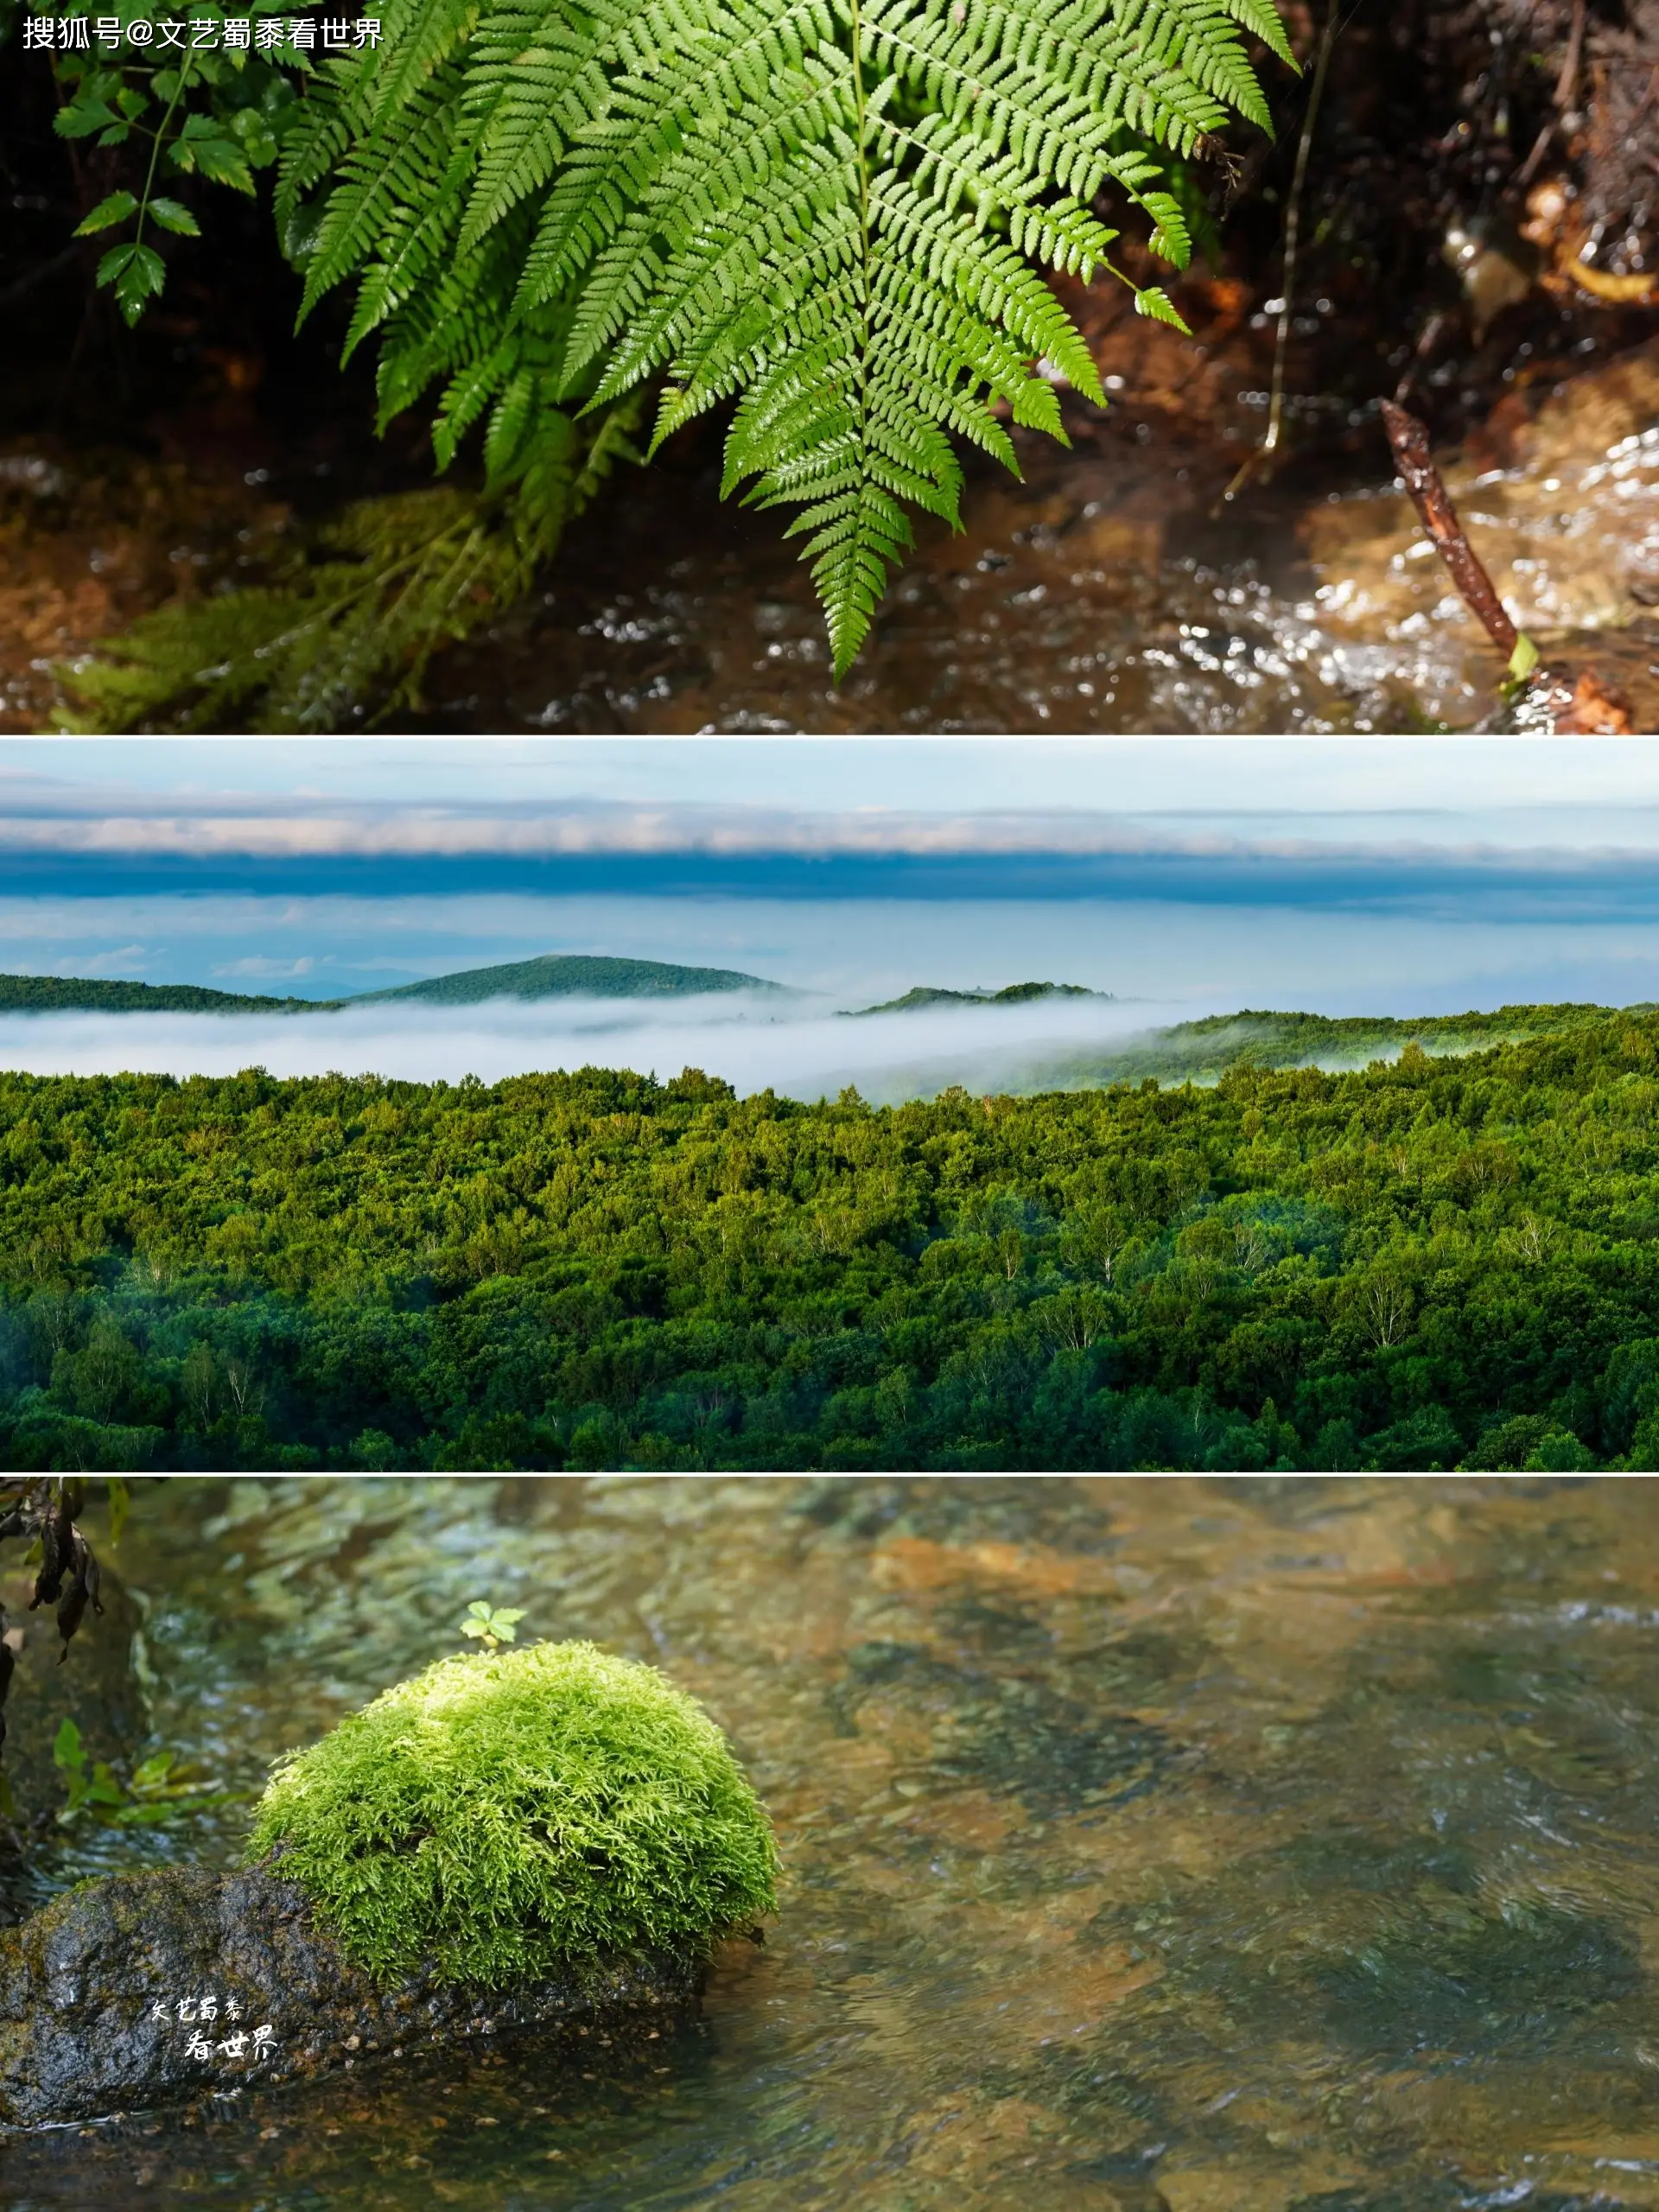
(1392, 875)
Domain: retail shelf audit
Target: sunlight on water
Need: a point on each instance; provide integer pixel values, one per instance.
(1270, 1845)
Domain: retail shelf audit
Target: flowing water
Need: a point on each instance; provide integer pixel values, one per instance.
(1223, 1847)
(1113, 590)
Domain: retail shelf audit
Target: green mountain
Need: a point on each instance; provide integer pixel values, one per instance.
(1013, 994)
(561, 975)
(86, 994)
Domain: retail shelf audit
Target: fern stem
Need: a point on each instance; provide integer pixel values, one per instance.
(863, 220)
(1293, 231)
(155, 151)
(1269, 445)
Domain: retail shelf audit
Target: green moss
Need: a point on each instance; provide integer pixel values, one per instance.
(513, 1813)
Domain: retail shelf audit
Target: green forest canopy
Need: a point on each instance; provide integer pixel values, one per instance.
(1433, 1263)
(99, 995)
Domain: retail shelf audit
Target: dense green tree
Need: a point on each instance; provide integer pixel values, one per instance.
(1428, 1263)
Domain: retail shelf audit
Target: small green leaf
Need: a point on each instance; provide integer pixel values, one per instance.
(173, 217)
(107, 213)
(302, 232)
(144, 275)
(82, 118)
(136, 272)
(258, 139)
(221, 161)
(116, 135)
(1171, 241)
(1156, 303)
(1523, 660)
(65, 1746)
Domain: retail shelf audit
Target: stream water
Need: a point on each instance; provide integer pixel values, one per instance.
(1222, 1847)
(1112, 590)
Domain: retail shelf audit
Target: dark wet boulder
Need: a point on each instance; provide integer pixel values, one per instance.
(160, 1988)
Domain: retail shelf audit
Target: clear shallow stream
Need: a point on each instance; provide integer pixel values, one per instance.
(1220, 1846)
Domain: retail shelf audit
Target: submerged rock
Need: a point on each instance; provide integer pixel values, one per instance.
(160, 1988)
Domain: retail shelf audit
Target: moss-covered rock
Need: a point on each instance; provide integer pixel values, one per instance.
(513, 1840)
(517, 1813)
(157, 1988)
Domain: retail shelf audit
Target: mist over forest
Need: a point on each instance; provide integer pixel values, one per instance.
(808, 1052)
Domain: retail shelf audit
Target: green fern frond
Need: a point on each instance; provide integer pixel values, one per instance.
(834, 215)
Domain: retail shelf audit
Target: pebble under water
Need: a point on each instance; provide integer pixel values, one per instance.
(1257, 1846)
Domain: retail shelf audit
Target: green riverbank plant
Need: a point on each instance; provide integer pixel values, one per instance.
(509, 1814)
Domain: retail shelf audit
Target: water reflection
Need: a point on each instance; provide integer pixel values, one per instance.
(1250, 1846)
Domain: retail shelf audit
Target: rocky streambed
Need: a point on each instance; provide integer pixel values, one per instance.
(165, 1987)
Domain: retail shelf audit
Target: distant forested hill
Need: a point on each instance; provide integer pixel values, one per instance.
(551, 976)
(1198, 1051)
(87, 994)
(569, 976)
(925, 995)
(1438, 1263)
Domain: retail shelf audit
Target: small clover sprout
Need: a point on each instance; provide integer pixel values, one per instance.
(494, 1624)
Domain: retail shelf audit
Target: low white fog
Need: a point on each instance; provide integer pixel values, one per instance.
(806, 1050)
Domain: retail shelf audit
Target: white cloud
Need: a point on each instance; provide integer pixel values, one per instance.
(212, 798)
(257, 964)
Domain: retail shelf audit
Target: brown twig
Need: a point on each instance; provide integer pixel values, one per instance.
(1425, 346)
(1584, 707)
(1426, 488)
(1567, 84)
(1529, 167)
